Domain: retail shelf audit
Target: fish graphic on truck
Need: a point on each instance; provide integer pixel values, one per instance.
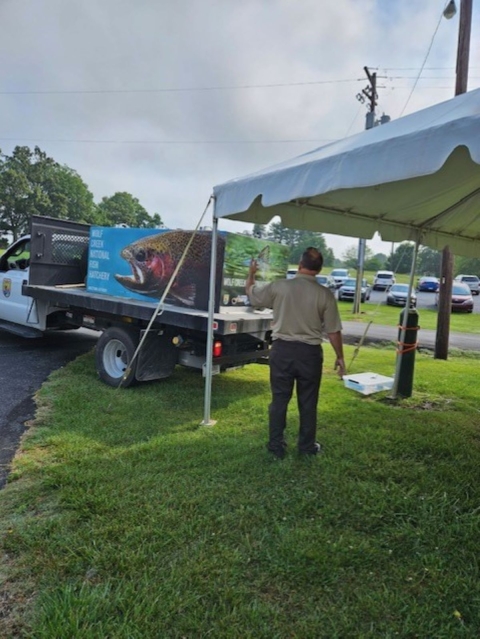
(142, 261)
(138, 264)
(153, 260)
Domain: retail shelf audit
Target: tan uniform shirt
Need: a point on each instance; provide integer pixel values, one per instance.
(302, 309)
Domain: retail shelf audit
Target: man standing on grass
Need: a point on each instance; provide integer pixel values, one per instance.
(302, 311)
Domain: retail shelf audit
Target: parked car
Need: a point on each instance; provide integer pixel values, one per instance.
(397, 296)
(327, 281)
(471, 281)
(339, 275)
(428, 284)
(291, 273)
(383, 280)
(462, 299)
(347, 290)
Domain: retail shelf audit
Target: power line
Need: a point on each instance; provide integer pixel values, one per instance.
(180, 89)
(213, 88)
(416, 68)
(428, 77)
(423, 64)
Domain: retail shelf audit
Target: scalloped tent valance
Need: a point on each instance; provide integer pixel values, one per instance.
(416, 178)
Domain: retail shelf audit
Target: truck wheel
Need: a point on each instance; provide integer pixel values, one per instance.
(113, 354)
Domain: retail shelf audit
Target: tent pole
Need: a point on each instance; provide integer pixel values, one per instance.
(403, 331)
(208, 366)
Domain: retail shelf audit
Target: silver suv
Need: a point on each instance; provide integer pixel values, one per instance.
(339, 275)
(470, 280)
(383, 280)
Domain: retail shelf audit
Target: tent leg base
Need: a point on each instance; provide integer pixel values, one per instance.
(211, 422)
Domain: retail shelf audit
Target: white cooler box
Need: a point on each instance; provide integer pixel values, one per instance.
(368, 383)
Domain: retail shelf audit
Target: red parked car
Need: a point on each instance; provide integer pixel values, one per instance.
(462, 299)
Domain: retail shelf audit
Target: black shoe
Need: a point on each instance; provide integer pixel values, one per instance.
(277, 452)
(317, 449)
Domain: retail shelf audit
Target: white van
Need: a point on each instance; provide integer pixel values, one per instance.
(383, 280)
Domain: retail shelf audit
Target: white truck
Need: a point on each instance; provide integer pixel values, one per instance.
(42, 281)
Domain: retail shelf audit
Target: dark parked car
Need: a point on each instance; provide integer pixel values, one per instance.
(397, 296)
(428, 284)
(347, 290)
(462, 299)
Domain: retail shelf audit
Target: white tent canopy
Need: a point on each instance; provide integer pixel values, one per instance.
(416, 178)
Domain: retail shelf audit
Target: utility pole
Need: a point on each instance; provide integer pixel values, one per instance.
(371, 94)
(446, 276)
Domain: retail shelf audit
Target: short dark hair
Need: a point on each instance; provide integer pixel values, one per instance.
(312, 259)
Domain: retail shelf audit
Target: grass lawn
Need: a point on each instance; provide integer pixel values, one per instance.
(123, 518)
(390, 316)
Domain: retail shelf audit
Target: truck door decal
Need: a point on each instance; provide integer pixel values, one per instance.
(7, 287)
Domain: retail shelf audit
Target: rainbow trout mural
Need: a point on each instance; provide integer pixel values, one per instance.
(138, 264)
(154, 259)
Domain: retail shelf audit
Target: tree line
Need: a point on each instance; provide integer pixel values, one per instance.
(296, 240)
(429, 261)
(31, 183)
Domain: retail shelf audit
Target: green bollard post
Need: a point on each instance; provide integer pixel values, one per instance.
(407, 351)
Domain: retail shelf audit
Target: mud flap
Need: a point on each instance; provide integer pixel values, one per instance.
(157, 358)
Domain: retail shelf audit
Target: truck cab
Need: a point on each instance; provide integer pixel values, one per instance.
(14, 269)
(54, 253)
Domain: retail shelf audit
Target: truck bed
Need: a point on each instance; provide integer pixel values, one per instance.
(229, 321)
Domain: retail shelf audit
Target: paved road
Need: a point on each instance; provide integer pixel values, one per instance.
(353, 331)
(25, 365)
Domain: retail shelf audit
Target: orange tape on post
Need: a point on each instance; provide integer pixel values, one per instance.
(411, 347)
(402, 350)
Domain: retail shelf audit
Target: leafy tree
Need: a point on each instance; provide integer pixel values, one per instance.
(70, 198)
(281, 234)
(401, 260)
(470, 265)
(374, 263)
(31, 183)
(370, 263)
(350, 256)
(305, 239)
(381, 259)
(259, 231)
(298, 241)
(429, 261)
(123, 208)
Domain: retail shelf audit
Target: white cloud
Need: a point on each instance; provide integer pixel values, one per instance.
(56, 45)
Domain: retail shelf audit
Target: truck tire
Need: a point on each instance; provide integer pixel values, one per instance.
(113, 354)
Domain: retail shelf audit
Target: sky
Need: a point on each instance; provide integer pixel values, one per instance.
(167, 98)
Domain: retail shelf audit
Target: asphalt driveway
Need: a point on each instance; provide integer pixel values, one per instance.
(24, 366)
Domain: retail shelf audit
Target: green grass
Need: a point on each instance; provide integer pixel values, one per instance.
(124, 518)
(390, 315)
